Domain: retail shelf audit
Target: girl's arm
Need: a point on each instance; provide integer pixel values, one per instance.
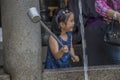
(75, 58)
(55, 48)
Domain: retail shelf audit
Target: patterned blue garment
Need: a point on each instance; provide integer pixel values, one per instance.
(64, 61)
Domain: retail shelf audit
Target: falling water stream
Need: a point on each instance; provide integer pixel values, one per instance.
(85, 59)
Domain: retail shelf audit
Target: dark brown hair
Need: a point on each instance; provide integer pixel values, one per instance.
(60, 15)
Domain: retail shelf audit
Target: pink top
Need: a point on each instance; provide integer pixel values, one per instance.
(102, 6)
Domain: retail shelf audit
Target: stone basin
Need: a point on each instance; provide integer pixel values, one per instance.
(108, 72)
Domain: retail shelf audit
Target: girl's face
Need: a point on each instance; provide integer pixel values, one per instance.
(68, 26)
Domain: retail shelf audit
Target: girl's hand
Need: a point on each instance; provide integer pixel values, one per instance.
(75, 59)
(64, 49)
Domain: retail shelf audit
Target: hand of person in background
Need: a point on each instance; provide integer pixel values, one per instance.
(117, 16)
(113, 15)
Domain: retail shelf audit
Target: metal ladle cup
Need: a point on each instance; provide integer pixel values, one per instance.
(34, 15)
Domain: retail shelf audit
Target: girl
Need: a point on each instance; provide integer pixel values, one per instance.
(58, 56)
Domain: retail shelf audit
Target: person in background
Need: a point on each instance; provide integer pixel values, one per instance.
(96, 49)
(58, 56)
(110, 9)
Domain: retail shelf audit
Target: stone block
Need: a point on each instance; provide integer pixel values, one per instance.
(110, 72)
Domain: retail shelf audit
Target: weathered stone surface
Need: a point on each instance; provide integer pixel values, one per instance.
(21, 40)
(1, 35)
(111, 72)
(4, 77)
(1, 48)
(1, 57)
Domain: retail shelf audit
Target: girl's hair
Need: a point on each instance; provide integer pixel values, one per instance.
(60, 15)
